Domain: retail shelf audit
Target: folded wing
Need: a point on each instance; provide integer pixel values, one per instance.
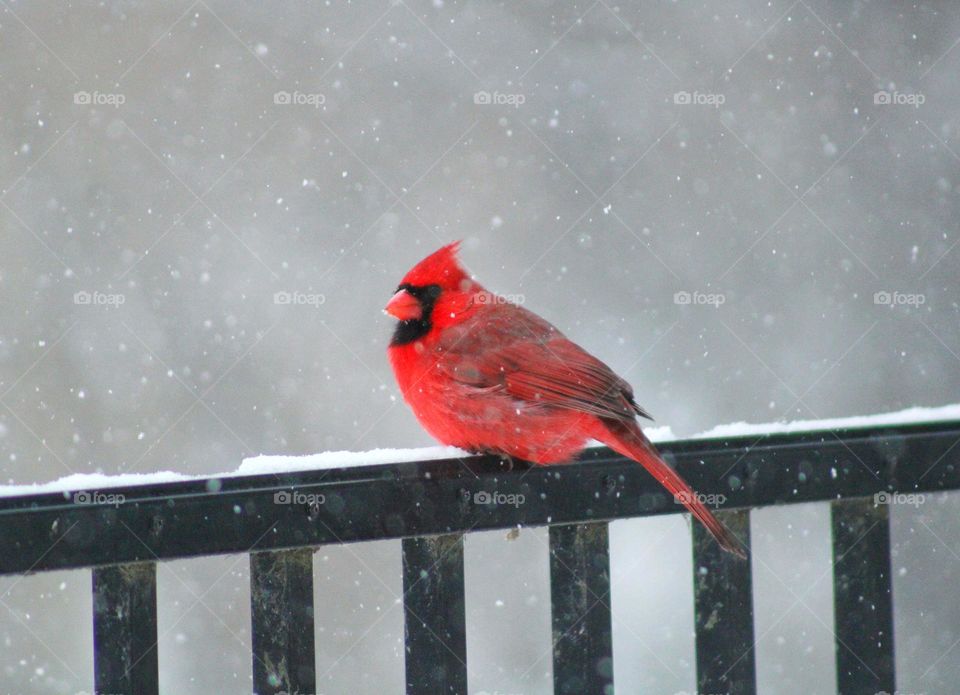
(506, 347)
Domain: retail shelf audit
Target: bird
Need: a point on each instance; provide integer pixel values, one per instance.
(484, 374)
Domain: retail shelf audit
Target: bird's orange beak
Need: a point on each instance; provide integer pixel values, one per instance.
(404, 306)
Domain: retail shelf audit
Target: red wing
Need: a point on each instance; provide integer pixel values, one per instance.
(507, 347)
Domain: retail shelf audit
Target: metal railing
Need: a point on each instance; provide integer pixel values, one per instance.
(430, 505)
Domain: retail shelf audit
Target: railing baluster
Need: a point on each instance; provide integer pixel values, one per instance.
(580, 600)
(723, 611)
(125, 628)
(435, 615)
(862, 597)
(281, 613)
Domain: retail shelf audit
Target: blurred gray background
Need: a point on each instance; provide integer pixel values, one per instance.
(167, 168)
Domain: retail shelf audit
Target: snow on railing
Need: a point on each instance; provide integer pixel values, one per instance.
(283, 463)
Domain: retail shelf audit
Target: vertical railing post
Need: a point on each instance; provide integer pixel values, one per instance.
(580, 602)
(281, 613)
(125, 629)
(435, 615)
(723, 610)
(862, 597)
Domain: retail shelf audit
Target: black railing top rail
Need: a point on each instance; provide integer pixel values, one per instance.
(216, 515)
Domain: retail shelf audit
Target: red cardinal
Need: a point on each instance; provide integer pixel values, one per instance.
(486, 375)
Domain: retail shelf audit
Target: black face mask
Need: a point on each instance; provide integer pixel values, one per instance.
(414, 329)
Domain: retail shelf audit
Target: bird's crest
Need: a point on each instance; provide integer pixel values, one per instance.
(442, 267)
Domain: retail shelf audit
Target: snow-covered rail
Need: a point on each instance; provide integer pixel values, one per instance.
(279, 518)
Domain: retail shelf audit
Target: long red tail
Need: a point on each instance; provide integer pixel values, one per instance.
(631, 442)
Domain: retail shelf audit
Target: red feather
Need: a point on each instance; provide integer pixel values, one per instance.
(486, 375)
